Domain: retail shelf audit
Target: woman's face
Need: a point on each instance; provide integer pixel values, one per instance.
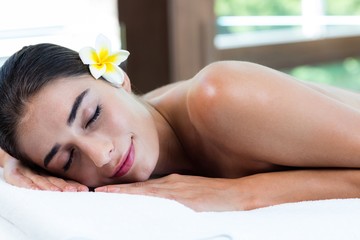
(86, 130)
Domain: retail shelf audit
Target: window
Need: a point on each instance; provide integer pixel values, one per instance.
(259, 22)
(73, 24)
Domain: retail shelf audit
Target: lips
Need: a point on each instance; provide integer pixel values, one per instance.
(125, 165)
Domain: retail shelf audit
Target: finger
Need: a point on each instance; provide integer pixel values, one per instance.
(62, 184)
(79, 187)
(43, 182)
(118, 188)
(69, 185)
(101, 189)
(149, 186)
(40, 179)
(136, 190)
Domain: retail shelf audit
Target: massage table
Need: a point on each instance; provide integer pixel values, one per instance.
(35, 215)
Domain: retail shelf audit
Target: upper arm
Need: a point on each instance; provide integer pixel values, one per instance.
(266, 115)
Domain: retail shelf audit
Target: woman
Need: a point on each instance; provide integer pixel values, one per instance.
(238, 135)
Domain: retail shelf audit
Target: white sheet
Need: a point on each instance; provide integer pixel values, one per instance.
(28, 214)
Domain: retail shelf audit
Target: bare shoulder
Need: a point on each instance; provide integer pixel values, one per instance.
(219, 76)
(222, 91)
(230, 78)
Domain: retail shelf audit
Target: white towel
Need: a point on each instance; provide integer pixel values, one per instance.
(37, 215)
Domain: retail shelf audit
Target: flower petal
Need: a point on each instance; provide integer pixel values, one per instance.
(88, 55)
(118, 57)
(103, 55)
(102, 43)
(97, 70)
(114, 74)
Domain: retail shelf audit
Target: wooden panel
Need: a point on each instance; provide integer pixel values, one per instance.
(192, 30)
(146, 37)
(293, 54)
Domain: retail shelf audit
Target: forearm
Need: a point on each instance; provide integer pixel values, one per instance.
(293, 186)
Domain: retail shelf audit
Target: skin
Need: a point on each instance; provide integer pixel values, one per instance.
(236, 131)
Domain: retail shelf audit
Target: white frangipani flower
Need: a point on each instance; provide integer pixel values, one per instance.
(103, 62)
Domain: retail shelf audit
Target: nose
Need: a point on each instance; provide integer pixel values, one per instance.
(97, 149)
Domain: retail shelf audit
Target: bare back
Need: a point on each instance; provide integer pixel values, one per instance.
(235, 119)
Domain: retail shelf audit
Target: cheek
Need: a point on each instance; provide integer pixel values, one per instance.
(115, 123)
(125, 117)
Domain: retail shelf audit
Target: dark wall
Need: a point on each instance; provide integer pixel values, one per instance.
(146, 35)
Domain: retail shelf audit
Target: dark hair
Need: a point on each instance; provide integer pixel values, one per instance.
(22, 76)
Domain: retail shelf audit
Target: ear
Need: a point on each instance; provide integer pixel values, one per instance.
(126, 84)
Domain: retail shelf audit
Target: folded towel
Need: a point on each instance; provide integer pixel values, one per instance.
(31, 214)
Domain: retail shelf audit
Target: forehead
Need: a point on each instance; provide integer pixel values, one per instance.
(52, 101)
(46, 114)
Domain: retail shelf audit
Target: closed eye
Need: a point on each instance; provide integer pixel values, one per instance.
(68, 163)
(95, 116)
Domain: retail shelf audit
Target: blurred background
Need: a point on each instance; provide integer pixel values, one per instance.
(171, 40)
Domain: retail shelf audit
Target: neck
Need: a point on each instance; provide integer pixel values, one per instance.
(172, 157)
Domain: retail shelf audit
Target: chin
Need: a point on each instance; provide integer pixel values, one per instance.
(143, 173)
(95, 184)
(144, 167)
(143, 176)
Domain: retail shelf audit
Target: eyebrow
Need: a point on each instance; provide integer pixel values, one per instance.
(70, 120)
(76, 106)
(51, 154)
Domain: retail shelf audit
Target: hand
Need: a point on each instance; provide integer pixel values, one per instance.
(20, 175)
(198, 193)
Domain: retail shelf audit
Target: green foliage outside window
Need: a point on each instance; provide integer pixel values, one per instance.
(277, 8)
(344, 74)
(256, 8)
(342, 8)
(281, 7)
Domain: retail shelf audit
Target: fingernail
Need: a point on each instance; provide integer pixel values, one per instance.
(83, 189)
(55, 189)
(70, 189)
(115, 190)
(100, 189)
